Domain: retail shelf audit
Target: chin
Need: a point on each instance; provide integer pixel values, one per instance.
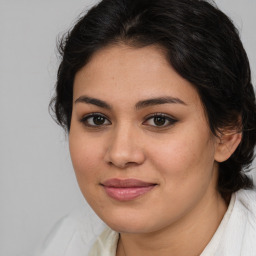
(128, 229)
(130, 225)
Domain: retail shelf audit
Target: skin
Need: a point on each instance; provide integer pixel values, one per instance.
(179, 215)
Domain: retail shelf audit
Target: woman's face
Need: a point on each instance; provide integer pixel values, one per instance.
(135, 118)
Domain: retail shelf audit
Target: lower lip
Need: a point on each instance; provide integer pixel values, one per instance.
(127, 194)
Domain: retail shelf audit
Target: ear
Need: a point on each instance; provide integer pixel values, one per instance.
(226, 145)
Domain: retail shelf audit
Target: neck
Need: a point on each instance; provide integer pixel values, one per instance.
(188, 236)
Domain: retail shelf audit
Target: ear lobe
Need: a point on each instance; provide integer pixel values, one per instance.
(227, 145)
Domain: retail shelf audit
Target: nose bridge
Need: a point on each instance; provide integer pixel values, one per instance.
(124, 147)
(124, 132)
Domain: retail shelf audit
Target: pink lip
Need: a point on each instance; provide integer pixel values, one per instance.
(128, 189)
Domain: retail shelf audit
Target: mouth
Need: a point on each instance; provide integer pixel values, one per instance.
(126, 190)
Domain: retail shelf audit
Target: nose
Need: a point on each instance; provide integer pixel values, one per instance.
(124, 148)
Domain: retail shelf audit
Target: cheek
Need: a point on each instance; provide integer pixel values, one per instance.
(186, 169)
(85, 159)
(183, 156)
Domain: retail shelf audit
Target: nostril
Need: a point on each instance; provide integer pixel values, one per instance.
(123, 155)
(122, 165)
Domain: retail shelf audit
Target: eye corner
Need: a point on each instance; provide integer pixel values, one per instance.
(95, 120)
(160, 120)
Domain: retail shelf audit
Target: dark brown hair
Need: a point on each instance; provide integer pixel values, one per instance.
(201, 44)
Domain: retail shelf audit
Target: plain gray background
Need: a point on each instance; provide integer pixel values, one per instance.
(37, 184)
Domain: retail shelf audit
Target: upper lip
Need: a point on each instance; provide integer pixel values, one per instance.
(126, 183)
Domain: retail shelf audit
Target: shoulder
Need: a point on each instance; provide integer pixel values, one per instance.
(240, 233)
(71, 235)
(245, 205)
(247, 198)
(105, 244)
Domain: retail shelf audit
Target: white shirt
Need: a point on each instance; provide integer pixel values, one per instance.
(235, 236)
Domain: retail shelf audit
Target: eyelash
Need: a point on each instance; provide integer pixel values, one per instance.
(85, 119)
(170, 120)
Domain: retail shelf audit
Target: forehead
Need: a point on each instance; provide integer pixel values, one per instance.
(126, 72)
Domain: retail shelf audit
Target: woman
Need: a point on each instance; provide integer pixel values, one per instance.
(156, 97)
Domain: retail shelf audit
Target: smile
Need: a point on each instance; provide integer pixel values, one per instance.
(126, 190)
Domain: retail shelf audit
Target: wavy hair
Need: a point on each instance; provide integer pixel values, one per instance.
(201, 44)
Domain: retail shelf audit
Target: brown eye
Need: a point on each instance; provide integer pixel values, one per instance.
(95, 120)
(160, 120)
(98, 120)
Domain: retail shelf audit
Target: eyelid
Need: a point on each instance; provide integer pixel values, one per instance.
(172, 120)
(86, 117)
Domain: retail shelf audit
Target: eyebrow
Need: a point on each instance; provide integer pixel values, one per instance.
(93, 101)
(158, 101)
(139, 105)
